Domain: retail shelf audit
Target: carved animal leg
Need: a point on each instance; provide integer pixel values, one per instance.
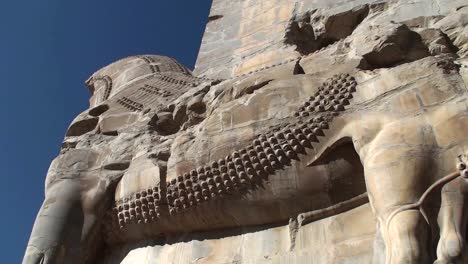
(66, 225)
(453, 221)
(57, 227)
(397, 177)
(407, 237)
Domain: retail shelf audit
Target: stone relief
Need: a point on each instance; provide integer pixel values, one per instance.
(339, 138)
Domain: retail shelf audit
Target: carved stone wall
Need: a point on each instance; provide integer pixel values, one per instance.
(244, 36)
(346, 238)
(312, 131)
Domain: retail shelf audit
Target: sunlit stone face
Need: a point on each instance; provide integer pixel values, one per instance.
(287, 150)
(110, 80)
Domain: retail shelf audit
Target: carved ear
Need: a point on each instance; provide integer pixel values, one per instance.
(90, 83)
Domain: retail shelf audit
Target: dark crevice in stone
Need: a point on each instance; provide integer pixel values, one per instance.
(253, 88)
(180, 114)
(69, 145)
(344, 157)
(215, 17)
(448, 66)
(98, 110)
(164, 207)
(341, 25)
(301, 33)
(378, 7)
(163, 155)
(444, 40)
(197, 105)
(82, 127)
(298, 69)
(164, 123)
(117, 165)
(111, 133)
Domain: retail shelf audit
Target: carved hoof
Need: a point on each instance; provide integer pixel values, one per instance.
(35, 256)
(452, 251)
(445, 262)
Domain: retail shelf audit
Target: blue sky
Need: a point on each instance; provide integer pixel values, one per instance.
(48, 49)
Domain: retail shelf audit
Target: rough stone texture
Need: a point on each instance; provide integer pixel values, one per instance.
(248, 35)
(311, 131)
(268, 244)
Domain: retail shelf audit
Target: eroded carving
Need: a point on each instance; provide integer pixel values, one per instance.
(249, 166)
(356, 144)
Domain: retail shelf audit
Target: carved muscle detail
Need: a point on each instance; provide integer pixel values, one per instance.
(241, 171)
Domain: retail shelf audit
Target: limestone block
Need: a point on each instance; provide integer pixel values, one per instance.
(456, 27)
(113, 123)
(142, 174)
(387, 45)
(276, 244)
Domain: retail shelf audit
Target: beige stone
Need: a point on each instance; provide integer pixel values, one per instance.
(111, 123)
(310, 132)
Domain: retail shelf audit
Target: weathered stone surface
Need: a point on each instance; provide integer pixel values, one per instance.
(268, 244)
(311, 132)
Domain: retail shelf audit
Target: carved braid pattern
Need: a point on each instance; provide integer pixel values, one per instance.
(162, 87)
(180, 66)
(171, 64)
(150, 61)
(173, 80)
(130, 104)
(153, 90)
(108, 86)
(241, 171)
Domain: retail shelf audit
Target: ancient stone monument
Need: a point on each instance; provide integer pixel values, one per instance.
(313, 131)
